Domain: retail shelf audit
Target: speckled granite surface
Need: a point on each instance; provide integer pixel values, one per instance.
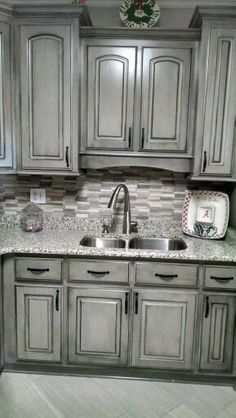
(61, 236)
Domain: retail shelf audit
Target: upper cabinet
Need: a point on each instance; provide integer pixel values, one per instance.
(48, 91)
(216, 114)
(46, 53)
(137, 101)
(6, 134)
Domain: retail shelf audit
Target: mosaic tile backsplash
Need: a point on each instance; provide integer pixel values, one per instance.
(153, 193)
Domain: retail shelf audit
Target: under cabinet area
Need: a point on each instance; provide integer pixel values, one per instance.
(137, 316)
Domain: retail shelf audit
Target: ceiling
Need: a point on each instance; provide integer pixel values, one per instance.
(116, 3)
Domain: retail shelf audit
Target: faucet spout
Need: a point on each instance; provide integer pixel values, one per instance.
(127, 213)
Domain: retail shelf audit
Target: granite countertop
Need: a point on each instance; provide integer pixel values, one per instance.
(62, 237)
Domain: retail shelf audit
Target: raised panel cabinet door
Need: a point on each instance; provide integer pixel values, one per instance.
(218, 332)
(163, 333)
(98, 326)
(45, 89)
(110, 92)
(219, 118)
(6, 144)
(38, 319)
(165, 99)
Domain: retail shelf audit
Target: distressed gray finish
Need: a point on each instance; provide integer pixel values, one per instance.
(217, 277)
(45, 95)
(162, 274)
(215, 133)
(1, 315)
(38, 323)
(99, 271)
(218, 332)
(6, 132)
(148, 90)
(164, 325)
(38, 269)
(98, 326)
(165, 98)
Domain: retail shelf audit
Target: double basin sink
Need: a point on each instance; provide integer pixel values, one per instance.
(161, 244)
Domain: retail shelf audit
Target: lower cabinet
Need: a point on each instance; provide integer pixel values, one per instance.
(38, 319)
(218, 332)
(164, 324)
(98, 326)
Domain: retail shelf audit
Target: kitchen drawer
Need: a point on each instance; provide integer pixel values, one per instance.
(38, 269)
(166, 274)
(221, 277)
(99, 271)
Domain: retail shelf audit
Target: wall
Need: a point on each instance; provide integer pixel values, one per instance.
(154, 193)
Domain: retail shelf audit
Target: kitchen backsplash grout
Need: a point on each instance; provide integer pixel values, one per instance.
(153, 193)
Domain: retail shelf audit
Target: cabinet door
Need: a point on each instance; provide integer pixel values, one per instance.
(218, 128)
(45, 89)
(165, 98)
(6, 146)
(38, 318)
(98, 326)
(111, 81)
(164, 324)
(218, 332)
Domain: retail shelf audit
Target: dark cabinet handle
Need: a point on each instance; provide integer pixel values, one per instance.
(207, 307)
(67, 156)
(130, 137)
(98, 272)
(222, 279)
(126, 302)
(166, 276)
(143, 137)
(37, 271)
(204, 161)
(57, 300)
(136, 303)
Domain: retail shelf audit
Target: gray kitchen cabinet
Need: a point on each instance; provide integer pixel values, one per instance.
(136, 101)
(215, 133)
(1, 316)
(38, 323)
(163, 328)
(218, 331)
(98, 326)
(6, 134)
(48, 89)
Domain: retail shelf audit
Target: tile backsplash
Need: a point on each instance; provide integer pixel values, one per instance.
(153, 193)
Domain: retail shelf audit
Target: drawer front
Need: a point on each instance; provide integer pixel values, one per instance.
(161, 274)
(221, 277)
(99, 271)
(38, 269)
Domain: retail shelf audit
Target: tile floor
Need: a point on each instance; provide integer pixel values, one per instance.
(40, 396)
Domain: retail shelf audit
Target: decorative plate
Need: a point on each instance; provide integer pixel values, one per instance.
(139, 13)
(205, 214)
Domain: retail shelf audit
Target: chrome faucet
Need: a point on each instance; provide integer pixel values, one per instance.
(127, 213)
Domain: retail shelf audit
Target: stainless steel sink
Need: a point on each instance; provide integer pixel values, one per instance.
(162, 244)
(103, 242)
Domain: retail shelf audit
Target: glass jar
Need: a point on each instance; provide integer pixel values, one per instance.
(32, 218)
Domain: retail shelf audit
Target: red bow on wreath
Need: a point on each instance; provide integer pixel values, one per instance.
(140, 3)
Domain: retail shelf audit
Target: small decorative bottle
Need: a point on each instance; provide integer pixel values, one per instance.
(32, 218)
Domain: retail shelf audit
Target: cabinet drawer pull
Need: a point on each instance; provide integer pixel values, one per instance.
(37, 271)
(57, 300)
(136, 303)
(67, 156)
(204, 161)
(166, 276)
(143, 137)
(98, 272)
(130, 137)
(222, 279)
(207, 307)
(126, 302)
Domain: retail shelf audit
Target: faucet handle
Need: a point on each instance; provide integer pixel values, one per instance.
(134, 226)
